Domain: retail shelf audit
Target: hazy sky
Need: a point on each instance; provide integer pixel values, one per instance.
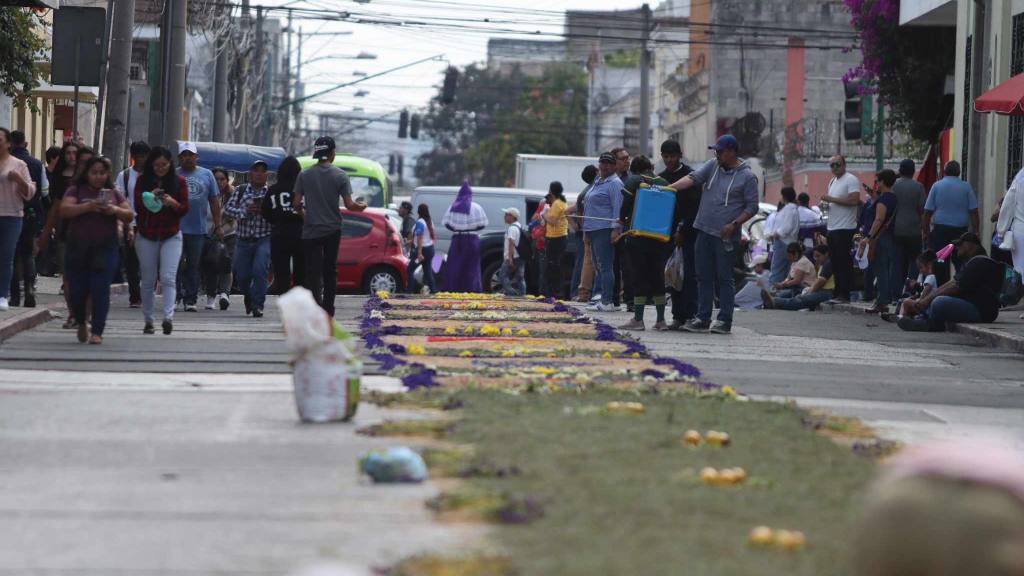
(397, 45)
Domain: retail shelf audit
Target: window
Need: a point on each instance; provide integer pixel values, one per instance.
(355, 226)
(1013, 143)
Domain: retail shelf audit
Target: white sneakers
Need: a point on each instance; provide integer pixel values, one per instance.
(4, 305)
(211, 301)
(224, 301)
(599, 307)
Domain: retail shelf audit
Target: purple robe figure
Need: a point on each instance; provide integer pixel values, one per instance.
(465, 219)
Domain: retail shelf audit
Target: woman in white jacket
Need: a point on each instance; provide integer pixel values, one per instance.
(1010, 226)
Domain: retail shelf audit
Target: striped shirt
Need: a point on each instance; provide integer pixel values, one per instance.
(250, 226)
(461, 222)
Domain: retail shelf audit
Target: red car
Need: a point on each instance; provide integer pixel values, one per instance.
(370, 256)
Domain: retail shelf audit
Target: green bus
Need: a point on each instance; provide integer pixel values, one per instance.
(369, 179)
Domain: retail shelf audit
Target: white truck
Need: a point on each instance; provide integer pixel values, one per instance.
(537, 171)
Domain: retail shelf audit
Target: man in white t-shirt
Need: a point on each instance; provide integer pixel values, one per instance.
(513, 282)
(125, 182)
(843, 200)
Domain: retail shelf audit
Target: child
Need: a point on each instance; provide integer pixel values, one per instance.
(925, 282)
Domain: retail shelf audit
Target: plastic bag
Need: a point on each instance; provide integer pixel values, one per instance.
(674, 270)
(398, 464)
(306, 324)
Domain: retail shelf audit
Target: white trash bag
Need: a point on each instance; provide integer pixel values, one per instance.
(327, 371)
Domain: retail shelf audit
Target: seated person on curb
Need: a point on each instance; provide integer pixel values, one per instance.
(923, 285)
(801, 273)
(817, 293)
(971, 296)
(749, 297)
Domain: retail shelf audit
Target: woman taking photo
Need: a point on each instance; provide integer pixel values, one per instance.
(92, 209)
(286, 228)
(423, 249)
(162, 200)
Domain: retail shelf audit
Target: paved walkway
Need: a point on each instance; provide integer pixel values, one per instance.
(184, 455)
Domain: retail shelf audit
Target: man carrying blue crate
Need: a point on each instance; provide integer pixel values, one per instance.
(647, 252)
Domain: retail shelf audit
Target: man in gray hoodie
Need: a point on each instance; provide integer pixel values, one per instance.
(729, 199)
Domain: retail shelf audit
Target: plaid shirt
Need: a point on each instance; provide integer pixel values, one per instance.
(250, 226)
(461, 222)
(163, 224)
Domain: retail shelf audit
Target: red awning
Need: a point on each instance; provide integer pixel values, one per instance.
(1007, 98)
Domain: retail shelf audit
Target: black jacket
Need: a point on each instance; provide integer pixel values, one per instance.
(33, 206)
(277, 209)
(687, 201)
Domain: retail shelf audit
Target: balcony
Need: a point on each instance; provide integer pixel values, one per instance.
(928, 13)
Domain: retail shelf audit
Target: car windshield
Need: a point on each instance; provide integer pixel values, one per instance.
(368, 189)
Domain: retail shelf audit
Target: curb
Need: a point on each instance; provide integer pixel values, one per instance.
(991, 336)
(24, 321)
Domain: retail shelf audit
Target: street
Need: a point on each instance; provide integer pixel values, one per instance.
(183, 454)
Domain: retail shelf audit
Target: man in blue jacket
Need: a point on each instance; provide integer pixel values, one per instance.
(729, 199)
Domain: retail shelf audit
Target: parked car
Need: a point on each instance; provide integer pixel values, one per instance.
(493, 201)
(370, 254)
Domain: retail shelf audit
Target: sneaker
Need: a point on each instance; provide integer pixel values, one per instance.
(191, 308)
(257, 313)
(30, 301)
(211, 301)
(661, 326)
(767, 302)
(148, 328)
(913, 324)
(595, 298)
(592, 307)
(696, 326)
(676, 325)
(607, 308)
(4, 305)
(720, 327)
(14, 301)
(69, 323)
(168, 326)
(135, 304)
(637, 325)
(835, 301)
(224, 301)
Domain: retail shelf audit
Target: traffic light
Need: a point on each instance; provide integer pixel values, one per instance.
(391, 164)
(414, 127)
(403, 124)
(451, 78)
(857, 123)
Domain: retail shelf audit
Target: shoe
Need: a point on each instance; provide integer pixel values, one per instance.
(835, 301)
(696, 326)
(912, 324)
(677, 325)
(15, 302)
(168, 326)
(135, 304)
(661, 326)
(720, 327)
(876, 309)
(629, 308)
(636, 325)
(592, 307)
(69, 323)
(83, 332)
(224, 301)
(148, 328)
(595, 298)
(94, 339)
(889, 317)
(4, 305)
(767, 302)
(30, 300)
(607, 308)
(191, 308)
(248, 306)
(257, 313)
(211, 301)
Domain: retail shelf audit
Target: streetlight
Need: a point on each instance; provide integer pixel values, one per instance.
(360, 74)
(360, 56)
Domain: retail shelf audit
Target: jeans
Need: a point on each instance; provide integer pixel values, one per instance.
(286, 258)
(87, 284)
(513, 281)
(321, 257)
(840, 243)
(780, 263)
(884, 269)
(217, 276)
(130, 261)
(24, 269)
(191, 265)
(601, 254)
(938, 238)
(10, 233)
(905, 261)
(684, 302)
(577, 265)
(428, 270)
(555, 249)
(251, 266)
(714, 264)
(945, 309)
(160, 256)
(808, 301)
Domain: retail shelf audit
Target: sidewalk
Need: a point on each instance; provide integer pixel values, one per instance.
(49, 304)
(1007, 332)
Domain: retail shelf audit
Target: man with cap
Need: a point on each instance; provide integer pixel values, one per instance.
(252, 248)
(910, 199)
(202, 193)
(513, 282)
(408, 223)
(601, 226)
(971, 296)
(684, 302)
(729, 199)
(319, 190)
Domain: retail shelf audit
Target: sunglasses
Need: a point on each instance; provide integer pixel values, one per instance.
(835, 164)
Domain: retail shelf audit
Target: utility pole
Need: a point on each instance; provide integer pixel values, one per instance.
(286, 116)
(115, 127)
(242, 96)
(645, 83)
(220, 86)
(261, 73)
(104, 71)
(175, 73)
(300, 90)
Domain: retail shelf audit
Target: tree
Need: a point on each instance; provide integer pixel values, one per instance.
(906, 66)
(20, 47)
(495, 116)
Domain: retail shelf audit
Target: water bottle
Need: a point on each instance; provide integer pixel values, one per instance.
(728, 245)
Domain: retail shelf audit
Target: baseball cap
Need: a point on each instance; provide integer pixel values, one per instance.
(725, 142)
(260, 163)
(968, 237)
(323, 147)
(761, 259)
(607, 158)
(671, 147)
(187, 146)
(512, 211)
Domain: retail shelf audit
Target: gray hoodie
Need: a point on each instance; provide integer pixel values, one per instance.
(726, 195)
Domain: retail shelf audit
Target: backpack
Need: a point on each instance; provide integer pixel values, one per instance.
(525, 246)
